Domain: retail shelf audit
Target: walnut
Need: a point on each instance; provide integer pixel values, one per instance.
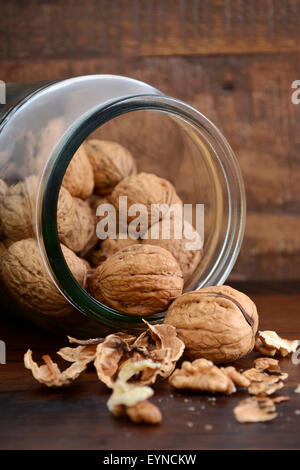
(108, 248)
(3, 190)
(139, 280)
(186, 258)
(203, 375)
(110, 162)
(146, 189)
(79, 176)
(25, 276)
(268, 364)
(159, 343)
(75, 221)
(50, 374)
(80, 354)
(144, 412)
(262, 383)
(17, 208)
(271, 341)
(217, 323)
(254, 410)
(127, 394)
(109, 355)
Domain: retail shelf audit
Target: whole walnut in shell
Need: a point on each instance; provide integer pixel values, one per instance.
(108, 248)
(79, 176)
(139, 280)
(111, 162)
(17, 208)
(146, 189)
(75, 221)
(3, 189)
(25, 276)
(216, 323)
(187, 258)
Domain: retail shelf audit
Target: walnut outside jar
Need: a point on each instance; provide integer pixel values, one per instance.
(47, 224)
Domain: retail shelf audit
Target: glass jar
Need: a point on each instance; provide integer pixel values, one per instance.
(41, 127)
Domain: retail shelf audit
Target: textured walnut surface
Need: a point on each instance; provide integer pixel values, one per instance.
(75, 221)
(110, 161)
(79, 176)
(186, 258)
(139, 280)
(17, 208)
(25, 276)
(217, 323)
(146, 189)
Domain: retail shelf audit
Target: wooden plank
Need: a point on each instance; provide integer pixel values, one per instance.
(144, 28)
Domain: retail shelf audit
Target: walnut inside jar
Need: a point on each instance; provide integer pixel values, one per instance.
(217, 323)
(139, 280)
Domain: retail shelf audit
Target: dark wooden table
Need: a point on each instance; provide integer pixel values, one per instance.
(34, 417)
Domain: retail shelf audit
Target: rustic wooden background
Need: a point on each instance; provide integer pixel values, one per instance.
(234, 60)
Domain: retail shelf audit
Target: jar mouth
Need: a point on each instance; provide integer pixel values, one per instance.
(46, 214)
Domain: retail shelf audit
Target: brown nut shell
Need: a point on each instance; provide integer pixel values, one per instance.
(111, 162)
(75, 221)
(139, 280)
(178, 247)
(17, 208)
(79, 176)
(146, 189)
(108, 248)
(217, 323)
(25, 276)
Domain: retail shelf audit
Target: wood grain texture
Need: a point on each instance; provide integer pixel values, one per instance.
(143, 28)
(34, 417)
(233, 60)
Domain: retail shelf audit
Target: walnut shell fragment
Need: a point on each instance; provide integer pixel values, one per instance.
(203, 375)
(254, 410)
(80, 354)
(49, 374)
(271, 341)
(79, 176)
(26, 278)
(159, 343)
(146, 189)
(180, 248)
(217, 323)
(111, 162)
(138, 280)
(109, 354)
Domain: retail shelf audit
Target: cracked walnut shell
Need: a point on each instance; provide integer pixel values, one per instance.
(217, 323)
(138, 280)
(25, 276)
(111, 162)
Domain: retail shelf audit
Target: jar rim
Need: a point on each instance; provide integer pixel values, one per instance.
(51, 181)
